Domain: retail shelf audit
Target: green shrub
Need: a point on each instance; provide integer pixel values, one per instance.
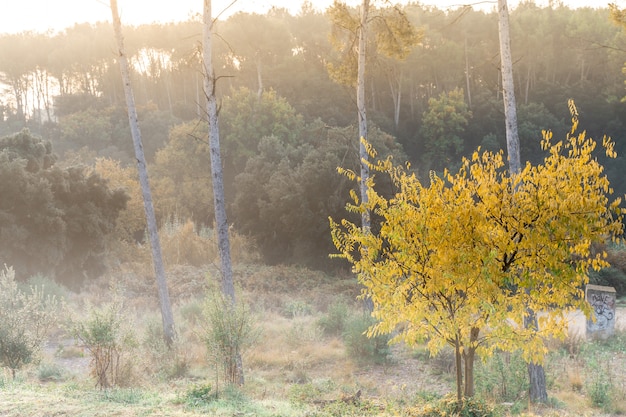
(297, 308)
(107, 336)
(503, 377)
(25, 319)
(48, 287)
(448, 406)
(199, 395)
(600, 392)
(359, 346)
(227, 332)
(333, 322)
(50, 372)
(122, 396)
(168, 362)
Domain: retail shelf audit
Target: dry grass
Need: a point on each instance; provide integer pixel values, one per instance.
(290, 352)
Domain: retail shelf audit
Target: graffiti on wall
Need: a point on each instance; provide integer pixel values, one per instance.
(603, 309)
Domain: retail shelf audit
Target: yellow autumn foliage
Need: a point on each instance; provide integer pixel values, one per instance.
(463, 259)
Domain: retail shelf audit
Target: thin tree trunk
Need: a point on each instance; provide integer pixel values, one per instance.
(467, 76)
(508, 87)
(164, 298)
(362, 115)
(536, 373)
(459, 370)
(210, 81)
(469, 355)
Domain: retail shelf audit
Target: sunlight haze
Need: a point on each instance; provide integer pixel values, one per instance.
(44, 15)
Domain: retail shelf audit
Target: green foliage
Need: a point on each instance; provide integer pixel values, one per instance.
(310, 391)
(57, 219)
(106, 333)
(121, 395)
(442, 126)
(503, 377)
(227, 331)
(167, 362)
(334, 321)
(287, 190)
(48, 287)
(182, 180)
(297, 308)
(50, 372)
(199, 395)
(360, 346)
(25, 319)
(449, 406)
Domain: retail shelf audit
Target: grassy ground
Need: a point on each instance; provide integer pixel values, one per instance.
(299, 364)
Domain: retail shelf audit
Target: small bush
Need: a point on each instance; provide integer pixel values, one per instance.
(50, 372)
(122, 396)
(600, 392)
(25, 319)
(362, 348)
(503, 377)
(199, 395)
(334, 321)
(106, 334)
(302, 333)
(449, 406)
(227, 332)
(49, 288)
(297, 308)
(168, 362)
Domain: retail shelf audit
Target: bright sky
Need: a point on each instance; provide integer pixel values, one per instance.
(42, 15)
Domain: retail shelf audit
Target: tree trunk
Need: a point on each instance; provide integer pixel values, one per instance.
(360, 103)
(164, 298)
(508, 89)
(458, 362)
(469, 354)
(467, 76)
(536, 372)
(221, 222)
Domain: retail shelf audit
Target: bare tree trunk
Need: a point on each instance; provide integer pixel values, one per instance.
(210, 81)
(458, 362)
(467, 76)
(536, 373)
(508, 89)
(360, 103)
(164, 298)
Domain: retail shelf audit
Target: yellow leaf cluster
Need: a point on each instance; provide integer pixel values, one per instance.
(464, 259)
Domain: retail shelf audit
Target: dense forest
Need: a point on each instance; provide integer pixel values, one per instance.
(286, 125)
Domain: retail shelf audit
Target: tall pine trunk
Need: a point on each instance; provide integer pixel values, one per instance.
(217, 176)
(362, 113)
(157, 259)
(536, 373)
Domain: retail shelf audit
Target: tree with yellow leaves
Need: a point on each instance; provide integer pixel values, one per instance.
(463, 260)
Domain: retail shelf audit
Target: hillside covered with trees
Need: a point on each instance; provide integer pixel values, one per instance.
(286, 124)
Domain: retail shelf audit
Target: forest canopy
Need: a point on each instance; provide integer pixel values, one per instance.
(286, 125)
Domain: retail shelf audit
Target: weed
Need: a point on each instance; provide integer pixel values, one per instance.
(199, 395)
(104, 333)
(50, 372)
(168, 362)
(449, 406)
(25, 319)
(227, 332)
(297, 308)
(121, 396)
(502, 377)
(334, 321)
(361, 347)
